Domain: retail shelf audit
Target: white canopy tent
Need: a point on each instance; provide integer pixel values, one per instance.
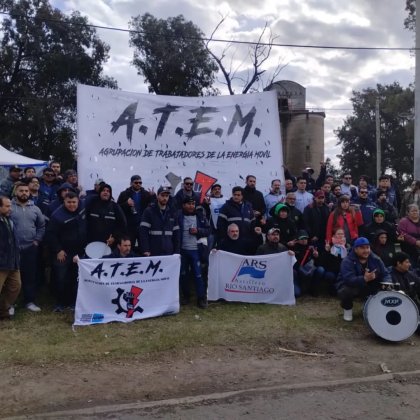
(8, 158)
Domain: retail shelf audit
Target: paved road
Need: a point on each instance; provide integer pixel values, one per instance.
(383, 397)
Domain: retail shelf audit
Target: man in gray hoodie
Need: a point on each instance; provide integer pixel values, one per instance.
(30, 228)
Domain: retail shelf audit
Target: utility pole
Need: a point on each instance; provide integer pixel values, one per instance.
(378, 141)
(417, 99)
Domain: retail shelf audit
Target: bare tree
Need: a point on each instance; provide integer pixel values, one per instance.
(258, 54)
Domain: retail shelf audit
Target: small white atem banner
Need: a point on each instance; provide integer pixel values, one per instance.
(254, 279)
(126, 289)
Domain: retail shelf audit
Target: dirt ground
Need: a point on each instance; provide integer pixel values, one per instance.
(289, 359)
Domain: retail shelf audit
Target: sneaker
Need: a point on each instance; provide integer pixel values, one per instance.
(348, 315)
(202, 303)
(12, 310)
(58, 309)
(32, 307)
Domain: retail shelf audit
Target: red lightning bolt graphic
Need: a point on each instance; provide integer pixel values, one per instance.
(136, 292)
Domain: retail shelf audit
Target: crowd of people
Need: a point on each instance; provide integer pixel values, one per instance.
(344, 234)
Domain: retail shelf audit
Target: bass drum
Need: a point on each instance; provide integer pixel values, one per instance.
(391, 315)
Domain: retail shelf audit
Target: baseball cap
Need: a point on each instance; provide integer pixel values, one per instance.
(188, 200)
(379, 211)
(99, 181)
(15, 168)
(272, 230)
(135, 178)
(279, 207)
(302, 234)
(163, 189)
(360, 242)
(320, 194)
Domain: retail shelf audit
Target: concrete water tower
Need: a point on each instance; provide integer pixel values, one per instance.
(302, 131)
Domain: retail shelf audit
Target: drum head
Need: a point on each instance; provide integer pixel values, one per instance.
(391, 315)
(97, 249)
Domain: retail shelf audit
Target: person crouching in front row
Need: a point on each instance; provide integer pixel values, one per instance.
(361, 273)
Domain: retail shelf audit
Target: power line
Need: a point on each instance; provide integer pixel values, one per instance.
(272, 44)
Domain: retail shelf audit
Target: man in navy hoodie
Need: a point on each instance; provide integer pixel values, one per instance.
(66, 238)
(361, 273)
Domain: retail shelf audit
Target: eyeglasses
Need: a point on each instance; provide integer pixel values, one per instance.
(188, 183)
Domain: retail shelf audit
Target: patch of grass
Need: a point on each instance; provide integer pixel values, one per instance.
(45, 337)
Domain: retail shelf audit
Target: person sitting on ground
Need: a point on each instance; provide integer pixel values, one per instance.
(361, 273)
(237, 210)
(332, 258)
(403, 278)
(272, 244)
(384, 248)
(378, 223)
(308, 274)
(123, 249)
(237, 244)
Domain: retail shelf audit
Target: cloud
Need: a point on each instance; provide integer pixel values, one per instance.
(329, 76)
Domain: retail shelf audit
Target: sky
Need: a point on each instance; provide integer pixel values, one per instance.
(329, 75)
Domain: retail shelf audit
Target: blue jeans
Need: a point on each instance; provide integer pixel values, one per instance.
(191, 259)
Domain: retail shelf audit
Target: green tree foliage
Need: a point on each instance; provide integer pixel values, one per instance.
(44, 54)
(171, 55)
(358, 134)
(410, 20)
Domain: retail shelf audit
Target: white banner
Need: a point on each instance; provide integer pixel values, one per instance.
(254, 279)
(166, 138)
(127, 289)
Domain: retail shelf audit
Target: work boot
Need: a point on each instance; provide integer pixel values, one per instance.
(202, 303)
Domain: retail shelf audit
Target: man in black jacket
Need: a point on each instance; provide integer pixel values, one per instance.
(315, 217)
(133, 201)
(255, 197)
(104, 217)
(9, 260)
(159, 228)
(66, 239)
